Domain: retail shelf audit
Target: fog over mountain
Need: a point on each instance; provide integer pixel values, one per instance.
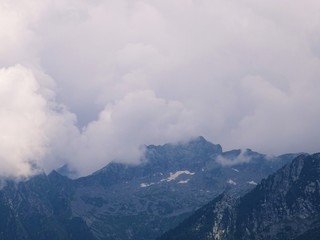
(82, 80)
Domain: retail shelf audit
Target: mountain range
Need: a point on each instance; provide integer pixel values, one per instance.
(139, 202)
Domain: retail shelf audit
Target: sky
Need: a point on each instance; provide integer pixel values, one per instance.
(86, 82)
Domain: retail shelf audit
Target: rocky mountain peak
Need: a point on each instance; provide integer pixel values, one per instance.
(198, 145)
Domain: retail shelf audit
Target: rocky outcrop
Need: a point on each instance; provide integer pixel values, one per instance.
(39, 209)
(283, 206)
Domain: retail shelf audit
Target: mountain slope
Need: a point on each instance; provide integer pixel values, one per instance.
(142, 202)
(286, 205)
(39, 209)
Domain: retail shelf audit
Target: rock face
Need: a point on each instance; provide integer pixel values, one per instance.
(139, 202)
(286, 205)
(39, 209)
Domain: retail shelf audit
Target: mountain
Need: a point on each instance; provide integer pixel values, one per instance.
(143, 201)
(122, 202)
(284, 206)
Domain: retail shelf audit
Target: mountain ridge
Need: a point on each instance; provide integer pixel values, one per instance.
(141, 202)
(285, 205)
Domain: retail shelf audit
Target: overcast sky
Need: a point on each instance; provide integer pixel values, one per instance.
(85, 82)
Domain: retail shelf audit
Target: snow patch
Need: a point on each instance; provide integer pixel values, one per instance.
(184, 181)
(173, 176)
(230, 181)
(252, 183)
(143, 185)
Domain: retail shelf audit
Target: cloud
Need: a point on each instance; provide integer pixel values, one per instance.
(103, 78)
(31, 124)
(242, 157)
(125, 126)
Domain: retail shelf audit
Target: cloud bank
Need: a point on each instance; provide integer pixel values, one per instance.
(88, 82)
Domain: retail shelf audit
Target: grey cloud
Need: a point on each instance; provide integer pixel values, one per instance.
(115, 75)
(123, 127)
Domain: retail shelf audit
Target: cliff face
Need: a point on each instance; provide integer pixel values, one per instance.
(286, 205)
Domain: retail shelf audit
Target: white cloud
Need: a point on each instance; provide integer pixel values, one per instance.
(236, 160)
(31, 125)
(124, 127)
